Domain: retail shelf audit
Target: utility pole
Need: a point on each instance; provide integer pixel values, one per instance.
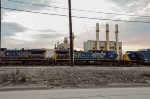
(0, 37)
(70, 30)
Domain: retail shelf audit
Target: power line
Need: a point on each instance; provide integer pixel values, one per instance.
(86, 29)
(72, 16)
(76, 9)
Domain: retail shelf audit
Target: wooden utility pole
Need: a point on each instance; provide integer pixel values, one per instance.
(70, 30)
(0, 37)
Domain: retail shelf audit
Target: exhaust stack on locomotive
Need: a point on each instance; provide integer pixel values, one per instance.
(107, 37)
(97, 35)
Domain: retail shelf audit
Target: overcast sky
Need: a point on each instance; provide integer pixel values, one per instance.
(30, 30)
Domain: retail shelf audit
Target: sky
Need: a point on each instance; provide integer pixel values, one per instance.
(31, 30)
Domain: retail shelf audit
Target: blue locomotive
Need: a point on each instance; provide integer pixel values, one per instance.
(110, 58)
(22, 56)
(86, 57)
(95, 57)
(140, 57)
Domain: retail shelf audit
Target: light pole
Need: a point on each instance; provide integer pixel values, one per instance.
(70, 30)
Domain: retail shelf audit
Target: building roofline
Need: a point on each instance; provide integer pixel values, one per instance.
(100, 41)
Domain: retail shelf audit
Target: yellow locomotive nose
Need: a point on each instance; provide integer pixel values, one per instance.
(125, 57)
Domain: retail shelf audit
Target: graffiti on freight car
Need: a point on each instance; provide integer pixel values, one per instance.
(12, 53)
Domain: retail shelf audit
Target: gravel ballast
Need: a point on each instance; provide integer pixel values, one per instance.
(73, 77)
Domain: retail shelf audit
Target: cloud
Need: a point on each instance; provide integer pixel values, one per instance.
(136, 27)
(131, 6)
(7, 3)
(47, 30)
(32, 38)
(132, 34)
(49, 36)
(9, 28)
(2, 14)
(19, 42)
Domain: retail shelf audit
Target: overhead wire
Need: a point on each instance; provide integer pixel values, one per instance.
(81, 17)
(75, 9)
(72, 16)
(86, 29)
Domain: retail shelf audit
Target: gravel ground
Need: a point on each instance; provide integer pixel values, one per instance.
(73, 77)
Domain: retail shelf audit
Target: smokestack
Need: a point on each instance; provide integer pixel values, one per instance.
(65, 40)
(97, 35)
(107, 37)
(116, 32)
(57, 44)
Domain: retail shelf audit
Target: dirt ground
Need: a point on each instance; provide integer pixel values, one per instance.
(73, 77)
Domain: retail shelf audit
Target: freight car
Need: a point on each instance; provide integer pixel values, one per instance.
(23, 57)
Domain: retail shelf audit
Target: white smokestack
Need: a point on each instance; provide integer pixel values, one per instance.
(57, 44)
(65, 40)
(97, 35)
(116, 32)
(107, 37)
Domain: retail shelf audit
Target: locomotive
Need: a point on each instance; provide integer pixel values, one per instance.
(138, 57)
(61, 57)
(23, 56)
(104, 58)
(33, 57)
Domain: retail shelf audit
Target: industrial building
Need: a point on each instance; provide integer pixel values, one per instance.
(62, 46)
(97, 44)
(65, 45)
(105, 45)
(91, 45)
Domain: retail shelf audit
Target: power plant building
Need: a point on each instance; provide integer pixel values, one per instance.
(65, 45)
(105, 45)
(92, 45)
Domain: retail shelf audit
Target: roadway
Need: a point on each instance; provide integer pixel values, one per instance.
(99, 93)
